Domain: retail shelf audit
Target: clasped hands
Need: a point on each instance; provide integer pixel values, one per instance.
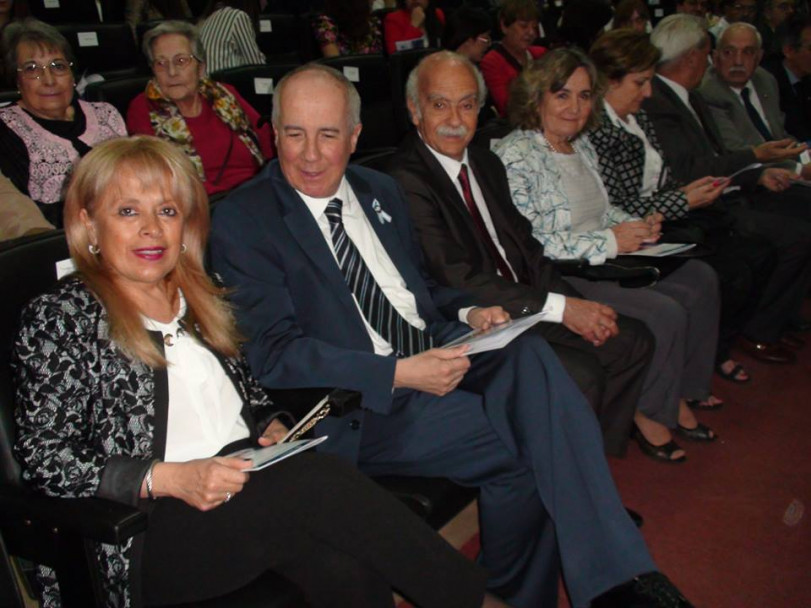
(633, 234)
(207, 483)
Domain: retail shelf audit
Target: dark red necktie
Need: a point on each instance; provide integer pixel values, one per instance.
(467, 193)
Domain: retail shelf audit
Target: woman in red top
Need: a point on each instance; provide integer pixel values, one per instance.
(416, 24)
(213, 124)
(502, 64)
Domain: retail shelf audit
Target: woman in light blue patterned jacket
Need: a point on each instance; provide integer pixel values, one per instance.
(555, 182)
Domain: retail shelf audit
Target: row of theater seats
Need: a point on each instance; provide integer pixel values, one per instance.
(109, 49)
(380, 81)
(53, 531)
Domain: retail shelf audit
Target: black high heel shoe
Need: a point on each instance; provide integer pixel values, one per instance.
(700, 433)
(662, 453)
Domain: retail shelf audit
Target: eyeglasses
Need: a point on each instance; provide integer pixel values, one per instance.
(32, 70)
(181, 62)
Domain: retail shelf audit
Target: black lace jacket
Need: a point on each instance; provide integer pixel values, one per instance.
(622, 163)
(89, 419)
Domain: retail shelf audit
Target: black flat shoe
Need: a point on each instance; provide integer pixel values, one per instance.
(651, 590)
(662, 453)
(700, 433)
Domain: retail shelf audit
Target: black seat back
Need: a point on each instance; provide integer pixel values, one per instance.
(370, 75)
(64, 11)
(27, 268)
(103, 48)
(118, 92)
(279, 37)
(255, 82)
(401, 63)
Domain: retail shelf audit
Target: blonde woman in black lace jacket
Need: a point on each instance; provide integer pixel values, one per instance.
(129, 387)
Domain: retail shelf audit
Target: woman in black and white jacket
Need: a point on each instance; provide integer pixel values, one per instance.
(637, 178)
(130, 386)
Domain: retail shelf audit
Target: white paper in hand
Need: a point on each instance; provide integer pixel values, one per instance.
(265, 457)
(497, 336)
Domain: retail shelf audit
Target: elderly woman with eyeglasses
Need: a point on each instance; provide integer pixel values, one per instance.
(211, 122)
(49, 128)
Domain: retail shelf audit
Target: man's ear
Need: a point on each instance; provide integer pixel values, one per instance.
(412, 112)
(355, 135)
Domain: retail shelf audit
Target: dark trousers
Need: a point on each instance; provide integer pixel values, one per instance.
(744, 265)
(790, 235)
(519, 428)
(320, 523)
(610, 376)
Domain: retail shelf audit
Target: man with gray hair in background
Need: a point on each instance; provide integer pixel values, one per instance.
(693, 147)
(744, 99)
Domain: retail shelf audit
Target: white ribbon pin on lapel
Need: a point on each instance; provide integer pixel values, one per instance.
(382, 216)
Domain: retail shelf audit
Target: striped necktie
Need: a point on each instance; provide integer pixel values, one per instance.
(405, 339)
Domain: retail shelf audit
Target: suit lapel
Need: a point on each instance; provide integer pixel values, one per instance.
(386, 231)
(443, 183)
(304, 229)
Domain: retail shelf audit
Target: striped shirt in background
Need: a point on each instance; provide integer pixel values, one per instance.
(229, 38)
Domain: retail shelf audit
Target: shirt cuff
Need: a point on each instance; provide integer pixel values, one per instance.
(611, 248)
(464, 312)
(554, 306)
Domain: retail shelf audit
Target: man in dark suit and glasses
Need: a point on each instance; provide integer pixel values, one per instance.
(693, 147)
(308, 247)
(474, 238)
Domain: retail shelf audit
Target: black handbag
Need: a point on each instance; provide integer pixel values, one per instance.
(627, 270)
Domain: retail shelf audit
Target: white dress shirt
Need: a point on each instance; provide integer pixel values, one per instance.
(204, 407)
(555, 303)
(385, 273)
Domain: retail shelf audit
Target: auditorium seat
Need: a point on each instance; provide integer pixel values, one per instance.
(255, 82)
(118, 92)
(280, 37)
(102, 48)
(8, 97)
(64, 11)
(400, 65)
(370, 75)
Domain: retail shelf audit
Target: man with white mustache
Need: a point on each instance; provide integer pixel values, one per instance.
(744, 98)
(493, 254)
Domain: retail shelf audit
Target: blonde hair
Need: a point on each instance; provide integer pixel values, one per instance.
(157, 164)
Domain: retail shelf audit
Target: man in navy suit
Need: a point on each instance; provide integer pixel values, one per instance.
(315, 251)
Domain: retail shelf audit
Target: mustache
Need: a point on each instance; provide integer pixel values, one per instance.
(460, 131)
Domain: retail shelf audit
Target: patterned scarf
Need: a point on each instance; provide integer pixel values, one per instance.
(168, 123)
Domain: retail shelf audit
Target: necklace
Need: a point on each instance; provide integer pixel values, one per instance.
(554, 148)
